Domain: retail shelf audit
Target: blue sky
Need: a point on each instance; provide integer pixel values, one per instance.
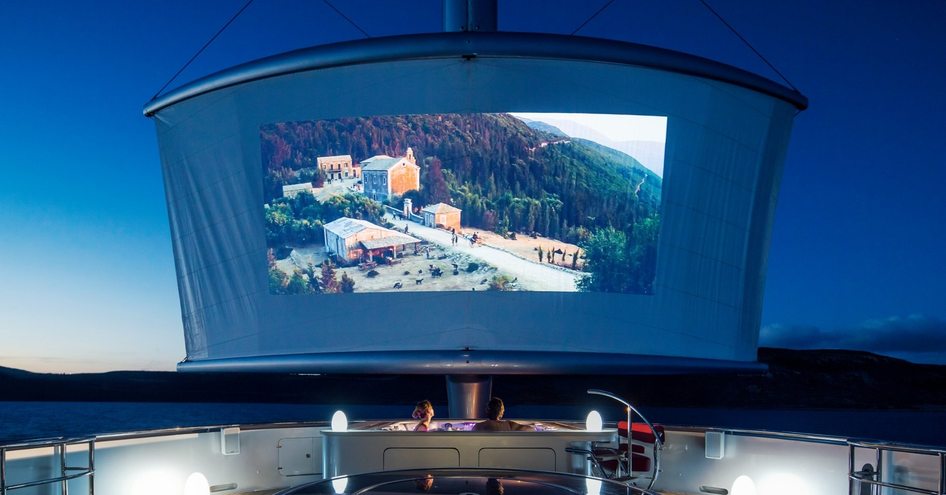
(86, 270)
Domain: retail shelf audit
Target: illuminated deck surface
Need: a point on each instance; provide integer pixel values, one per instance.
(465, 481)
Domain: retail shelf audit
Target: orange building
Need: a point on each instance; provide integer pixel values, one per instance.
(385, 176)
(337, 167)
(442, 215)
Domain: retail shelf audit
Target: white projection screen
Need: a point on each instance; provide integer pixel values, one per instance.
(724, 151)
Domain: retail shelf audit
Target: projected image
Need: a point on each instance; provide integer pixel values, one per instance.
(463, 202)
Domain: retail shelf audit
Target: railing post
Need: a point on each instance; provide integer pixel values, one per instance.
(850, 470)
(64, 484)
(3, 472)
(880, 472)
(92, 467)
(942, 473)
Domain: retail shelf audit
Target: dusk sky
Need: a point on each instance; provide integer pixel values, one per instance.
(858, 257)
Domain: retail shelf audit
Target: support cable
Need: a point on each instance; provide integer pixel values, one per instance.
(207, 44)
(731, 28)
(602, 9)
(342, 14)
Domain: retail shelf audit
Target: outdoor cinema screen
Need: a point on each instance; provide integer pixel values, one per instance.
(463, 202)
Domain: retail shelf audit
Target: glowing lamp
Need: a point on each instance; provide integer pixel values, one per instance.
(594, 422)
(341, 483)
(339, 421)
(783, 484)
(196, 484)
(743, 486)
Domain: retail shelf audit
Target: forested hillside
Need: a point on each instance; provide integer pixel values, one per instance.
(504, 175)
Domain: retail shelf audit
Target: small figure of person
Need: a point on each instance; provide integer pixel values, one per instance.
(424, 411)
(494, 486)
(426, 483)
(494, 411)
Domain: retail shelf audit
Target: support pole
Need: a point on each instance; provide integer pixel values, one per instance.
(469, 15)
(467, 395)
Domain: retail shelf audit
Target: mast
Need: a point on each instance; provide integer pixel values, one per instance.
(469, 15)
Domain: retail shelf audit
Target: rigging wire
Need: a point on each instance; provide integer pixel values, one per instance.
(339, 12)
(731, 28)
(602, 9)
(207, 44)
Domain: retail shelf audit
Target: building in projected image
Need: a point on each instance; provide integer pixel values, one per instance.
(291, 190)
(442, 215)
(386, 176)
(351, 239)
(337, 167)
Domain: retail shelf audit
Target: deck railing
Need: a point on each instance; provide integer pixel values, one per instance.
(60, 449)
(870, 480)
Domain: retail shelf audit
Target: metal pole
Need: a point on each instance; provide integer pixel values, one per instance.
(850, 470)
(630, 441)
(3, 472)
(91, 467)
(469, 15)
(64, 484)
(879, 476)
(942, 473)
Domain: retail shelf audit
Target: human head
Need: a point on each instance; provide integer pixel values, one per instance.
(495, 408)
(425, 484)
(420, 410)
(494, 487)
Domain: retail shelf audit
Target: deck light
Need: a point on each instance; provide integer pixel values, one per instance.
(339, 421)
(196, 484)
(341, 483)
(783, 484)
(593, 486)
(593, 422)
(743, 486)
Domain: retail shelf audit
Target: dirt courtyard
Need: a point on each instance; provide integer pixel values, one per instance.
(410, 273)
(528, 248)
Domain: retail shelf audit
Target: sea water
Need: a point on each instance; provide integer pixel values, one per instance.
(33, 420)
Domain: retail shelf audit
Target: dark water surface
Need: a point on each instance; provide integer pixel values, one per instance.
(31, 420)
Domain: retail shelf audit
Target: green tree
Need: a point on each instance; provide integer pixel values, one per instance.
(347, 283)
(435, 183)
(277, 281)
(606, 262)
(328, 281)
(298, 285)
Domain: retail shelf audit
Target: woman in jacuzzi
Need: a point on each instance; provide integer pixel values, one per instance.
(424, 411)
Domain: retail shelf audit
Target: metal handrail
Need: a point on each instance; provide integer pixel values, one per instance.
(631, 410)
(59, 447)
(857, 478)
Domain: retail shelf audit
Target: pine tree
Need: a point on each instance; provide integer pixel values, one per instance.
(329, 284)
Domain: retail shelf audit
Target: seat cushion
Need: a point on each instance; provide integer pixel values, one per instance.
(641, 432)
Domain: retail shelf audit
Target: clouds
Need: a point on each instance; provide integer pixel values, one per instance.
(914, 335)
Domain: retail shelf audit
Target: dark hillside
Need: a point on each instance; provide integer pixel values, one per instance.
(795, 379)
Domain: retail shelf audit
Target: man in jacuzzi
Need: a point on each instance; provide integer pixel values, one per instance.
(494, 411)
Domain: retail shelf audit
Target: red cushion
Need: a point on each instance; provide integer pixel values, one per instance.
(641, 432)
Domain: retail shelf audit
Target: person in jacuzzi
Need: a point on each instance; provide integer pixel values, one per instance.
(424, 411)
(494, 411)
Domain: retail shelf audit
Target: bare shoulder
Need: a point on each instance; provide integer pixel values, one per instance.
(521, 427)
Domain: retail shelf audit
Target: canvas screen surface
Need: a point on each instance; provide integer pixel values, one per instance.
(334, 210)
